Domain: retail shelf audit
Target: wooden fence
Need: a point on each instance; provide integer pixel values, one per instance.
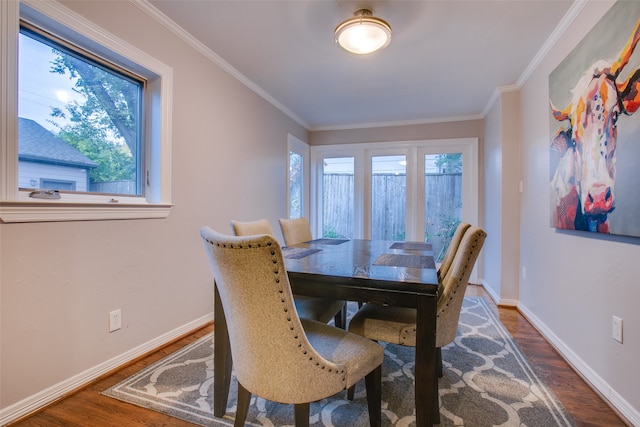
(114, 187)
(443, 207)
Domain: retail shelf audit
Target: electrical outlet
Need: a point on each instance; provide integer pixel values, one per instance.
(115, 320)
(617, 329)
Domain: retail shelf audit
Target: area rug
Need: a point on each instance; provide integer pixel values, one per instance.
(487, 382)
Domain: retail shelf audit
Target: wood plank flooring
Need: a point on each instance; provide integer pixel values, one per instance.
(585, 406)
(88, 407)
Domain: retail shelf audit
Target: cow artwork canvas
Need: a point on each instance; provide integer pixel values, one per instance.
(595, 128)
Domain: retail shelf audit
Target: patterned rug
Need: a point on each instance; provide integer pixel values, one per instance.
(487, 381)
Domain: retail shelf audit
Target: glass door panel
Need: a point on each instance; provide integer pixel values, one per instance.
(388, 197)
(442, 199)
(338, 197)
(296, 185)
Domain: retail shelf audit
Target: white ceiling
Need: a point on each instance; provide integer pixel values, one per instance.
(445, 61)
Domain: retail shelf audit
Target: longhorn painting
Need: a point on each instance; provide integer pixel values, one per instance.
(595, 133)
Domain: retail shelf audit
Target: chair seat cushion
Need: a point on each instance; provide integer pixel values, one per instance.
(320, 309)
(396, 325)
(358, 355)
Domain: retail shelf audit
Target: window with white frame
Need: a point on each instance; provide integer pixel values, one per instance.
(298, 178)
(418, 190)
(337, 197)
(88, 131)
(77, 112)
(388, 197)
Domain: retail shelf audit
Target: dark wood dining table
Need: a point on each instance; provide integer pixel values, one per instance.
(379, 271)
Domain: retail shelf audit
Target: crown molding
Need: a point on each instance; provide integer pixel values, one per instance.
(566, 20)
(180, 32)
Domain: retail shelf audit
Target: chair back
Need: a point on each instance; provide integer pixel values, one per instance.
(295, 231)
(451, 250)
(251, 228)
(455, 283)
(272, 356)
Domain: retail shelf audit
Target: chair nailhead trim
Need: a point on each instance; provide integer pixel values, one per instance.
(474, 244)
(277, 280)
(293, 329)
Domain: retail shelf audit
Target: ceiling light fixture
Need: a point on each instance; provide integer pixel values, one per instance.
(364, 33)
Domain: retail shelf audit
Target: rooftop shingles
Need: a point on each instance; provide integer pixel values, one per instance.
(38, 144)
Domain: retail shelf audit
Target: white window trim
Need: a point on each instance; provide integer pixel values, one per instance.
(16, 205)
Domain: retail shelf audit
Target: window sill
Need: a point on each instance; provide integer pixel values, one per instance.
(14, 212)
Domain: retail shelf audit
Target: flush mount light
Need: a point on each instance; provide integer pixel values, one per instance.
(363, 33)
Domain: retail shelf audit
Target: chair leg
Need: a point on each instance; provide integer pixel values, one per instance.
(340, 319)
(244, 397)
(436, 403)
(351, 391)
(301, 414)
(439, 355)
(373, 381)
(436, 418)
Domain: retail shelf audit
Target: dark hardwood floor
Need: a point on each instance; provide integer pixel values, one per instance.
(88, 407)
(585, 406)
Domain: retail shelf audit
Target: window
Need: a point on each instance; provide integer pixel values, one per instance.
(298, 178)
(57, 184)
(76, 112)
(417, 191)
(296, 185)
(105, 147)
(337, 197)
(388, 197)
(442, 199)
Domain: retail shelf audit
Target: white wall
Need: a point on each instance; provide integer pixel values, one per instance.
(58, 281)
(502, 197)
(576, 281)
(419, 132)
(510, 196)
(492, 183)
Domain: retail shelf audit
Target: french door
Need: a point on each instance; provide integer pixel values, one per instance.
(415, 191)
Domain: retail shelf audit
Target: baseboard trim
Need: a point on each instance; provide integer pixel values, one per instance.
(490, 291)
(625, 410)
(502, 302)
(617, 403)
(35, 402)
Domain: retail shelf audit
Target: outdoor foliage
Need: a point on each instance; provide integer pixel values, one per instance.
(295, 185)
(103, 127)
(449, 163)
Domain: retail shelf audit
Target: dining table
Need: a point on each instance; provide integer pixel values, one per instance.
(367, 271)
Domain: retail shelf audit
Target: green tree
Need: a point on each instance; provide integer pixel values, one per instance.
(449, 163)
(115, 162)
(295, 185)
(104, 125)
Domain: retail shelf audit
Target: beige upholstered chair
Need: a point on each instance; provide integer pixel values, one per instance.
(276, 355)
(451, 250)
(397, 325)
(296, 231)
(320, 309)
(251, 228)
